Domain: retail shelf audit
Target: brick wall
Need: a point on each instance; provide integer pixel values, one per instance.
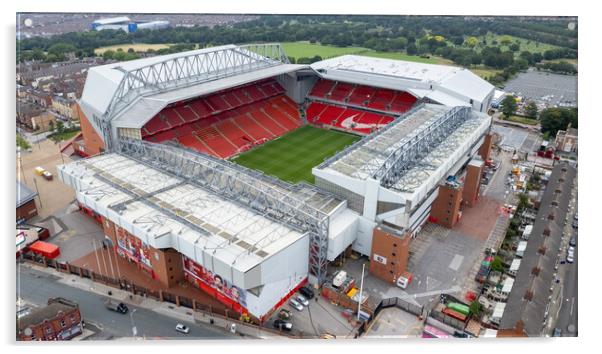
(389, 254)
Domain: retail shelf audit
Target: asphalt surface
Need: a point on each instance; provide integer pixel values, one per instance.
(567, 318)
(36, 287)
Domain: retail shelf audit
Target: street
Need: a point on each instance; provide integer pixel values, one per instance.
(36, 287)
(567, 318)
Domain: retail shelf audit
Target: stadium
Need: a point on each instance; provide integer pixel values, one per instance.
(239, 172)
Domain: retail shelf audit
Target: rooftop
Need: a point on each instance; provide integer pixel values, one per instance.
(37, 316)
(163, 210)
(423, 80)
(24, 194)
(528, 299)
(363, 159)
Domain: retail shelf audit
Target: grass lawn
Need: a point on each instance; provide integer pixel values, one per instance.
(522, 120)
(140, 47)
(57, 137)
(292, 156)
(305, 49)
(406, 57)
(484, 72)
(525, 44)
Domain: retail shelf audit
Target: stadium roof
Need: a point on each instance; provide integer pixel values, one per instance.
(132, 92)
(111, 20)
(362, 160)
(417, 78)
(167, 211)
(147, 107)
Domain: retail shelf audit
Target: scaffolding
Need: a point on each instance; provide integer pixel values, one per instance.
(282, 203)
(419, 144)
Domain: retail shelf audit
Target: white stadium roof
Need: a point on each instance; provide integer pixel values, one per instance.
(448, 85)
(165, 208)
(220, 68)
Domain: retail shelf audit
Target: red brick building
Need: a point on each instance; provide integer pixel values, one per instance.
(59, 320)
(389, 255)
(26, 204)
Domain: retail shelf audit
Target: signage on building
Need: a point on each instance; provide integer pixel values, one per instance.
(380, 259)
(134, 247)
(223, 288)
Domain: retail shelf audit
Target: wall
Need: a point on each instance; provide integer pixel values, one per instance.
(389, 255)
(485, 149)
(446, 208)
(472, 183)
(27, 210)
(93, 143)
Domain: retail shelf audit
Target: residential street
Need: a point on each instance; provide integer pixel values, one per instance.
(36, 287)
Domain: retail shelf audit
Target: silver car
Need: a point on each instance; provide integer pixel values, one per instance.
(296, 305)
(302, 300)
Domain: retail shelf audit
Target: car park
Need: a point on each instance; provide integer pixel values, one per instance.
(283, 325)
(302, 300)
(182, 328)
(296, 305)
(307, 292)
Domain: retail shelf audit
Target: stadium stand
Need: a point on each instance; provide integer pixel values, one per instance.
(354, 107)
(228, 122)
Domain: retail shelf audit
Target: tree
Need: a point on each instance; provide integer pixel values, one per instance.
(60, 126)
(515, 47)
(531, 110)
(497, 264)
(108, 54)
(472, 42)
(51, 126)
(505, 40)
(411, 49)
(475, 308)
(554, 119)
(509, 106)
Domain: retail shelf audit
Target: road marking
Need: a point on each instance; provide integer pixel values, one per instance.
(456, 262)
(572, 304)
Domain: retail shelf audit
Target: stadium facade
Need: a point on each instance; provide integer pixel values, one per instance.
(158, 133)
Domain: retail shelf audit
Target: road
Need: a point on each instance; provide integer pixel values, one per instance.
(567, 318)
(36, 287)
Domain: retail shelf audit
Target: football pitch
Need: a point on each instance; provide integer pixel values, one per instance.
(292, 156)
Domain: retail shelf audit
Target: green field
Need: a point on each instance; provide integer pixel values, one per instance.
(292, 156)
(525, 44)
(308, 50)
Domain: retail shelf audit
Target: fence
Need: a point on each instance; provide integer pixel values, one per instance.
(158, 295)
(392, 302)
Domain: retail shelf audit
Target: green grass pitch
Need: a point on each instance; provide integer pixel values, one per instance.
(292, 156)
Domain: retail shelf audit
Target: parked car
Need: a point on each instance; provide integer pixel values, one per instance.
(182, 328)
(283, 325)
(296, 305)
(570, 257)
(557, 332)
(284, 314)
(575, 224)
(573, 241)
(116, 306)
(307, 292)
(302, 300)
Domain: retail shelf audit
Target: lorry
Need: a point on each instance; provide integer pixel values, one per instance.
(116, 306)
